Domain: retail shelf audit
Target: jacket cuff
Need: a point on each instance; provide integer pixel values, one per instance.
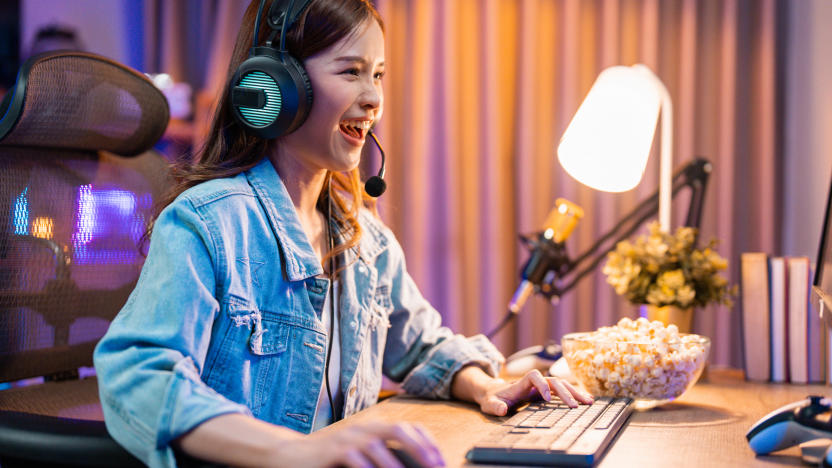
(189, 403)
(433, 377)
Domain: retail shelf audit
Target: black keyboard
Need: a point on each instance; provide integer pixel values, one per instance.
(551, 433)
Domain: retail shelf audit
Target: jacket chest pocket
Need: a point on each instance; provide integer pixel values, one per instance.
(268, 347)
(380, 309)
(269, 337)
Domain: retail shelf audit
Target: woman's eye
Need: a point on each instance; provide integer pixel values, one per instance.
(351, 71)
(379, 75)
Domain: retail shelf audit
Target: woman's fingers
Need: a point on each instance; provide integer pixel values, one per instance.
(376, 451)
(527, 388)
(563, 392)
(353, 458)
(583, 397)
(536, 379)
(406, 437)
(494, 405)
(429, 441)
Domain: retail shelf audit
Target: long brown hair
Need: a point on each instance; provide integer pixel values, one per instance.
(229, 150)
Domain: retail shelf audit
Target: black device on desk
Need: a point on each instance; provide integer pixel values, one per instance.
(551, 433)
(822, 284)
(809, 419)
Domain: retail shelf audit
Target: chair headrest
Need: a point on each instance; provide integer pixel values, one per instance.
(82, 101)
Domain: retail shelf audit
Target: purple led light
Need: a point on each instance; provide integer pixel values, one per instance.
(86, 214)
(109, 225)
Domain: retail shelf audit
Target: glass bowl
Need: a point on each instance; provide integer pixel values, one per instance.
(651, 370)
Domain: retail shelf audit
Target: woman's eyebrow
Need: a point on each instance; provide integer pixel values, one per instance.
(355, 58)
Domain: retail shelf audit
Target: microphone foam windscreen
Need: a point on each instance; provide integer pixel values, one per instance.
(375, 186)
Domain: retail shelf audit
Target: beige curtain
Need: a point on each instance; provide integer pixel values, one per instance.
(478, 93)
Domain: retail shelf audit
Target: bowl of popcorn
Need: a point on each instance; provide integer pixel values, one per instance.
(646, 361)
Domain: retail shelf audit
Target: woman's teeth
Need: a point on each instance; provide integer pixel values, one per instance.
(355, 128)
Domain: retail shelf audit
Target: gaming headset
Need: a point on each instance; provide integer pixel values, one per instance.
(271, 94)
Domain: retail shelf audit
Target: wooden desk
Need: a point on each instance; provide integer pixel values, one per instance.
(705, 427)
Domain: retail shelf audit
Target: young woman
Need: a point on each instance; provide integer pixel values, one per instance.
(221, 351)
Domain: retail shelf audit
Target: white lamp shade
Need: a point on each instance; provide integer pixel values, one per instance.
(607, 144)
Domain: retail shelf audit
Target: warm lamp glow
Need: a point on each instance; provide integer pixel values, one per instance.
(608, 142)
(42, 227)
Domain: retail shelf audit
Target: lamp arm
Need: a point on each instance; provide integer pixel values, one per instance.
(694, 175)
(666, 155)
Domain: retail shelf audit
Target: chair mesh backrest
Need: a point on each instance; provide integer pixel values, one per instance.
(74, 100)
(69, 252)
(71, 217)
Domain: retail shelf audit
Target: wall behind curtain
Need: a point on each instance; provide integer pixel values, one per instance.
(477, 96)
(190, 39)
(808, 118)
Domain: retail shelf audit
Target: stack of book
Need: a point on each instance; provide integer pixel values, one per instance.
(784, 340)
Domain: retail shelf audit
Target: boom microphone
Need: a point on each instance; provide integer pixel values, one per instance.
(376, 185)
(548, 254)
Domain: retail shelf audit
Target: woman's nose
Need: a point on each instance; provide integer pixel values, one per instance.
(371, 96)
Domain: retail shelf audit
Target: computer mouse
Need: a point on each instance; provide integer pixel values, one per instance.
(826, 461)
(791, 425)
(404, 458)
(539, 357)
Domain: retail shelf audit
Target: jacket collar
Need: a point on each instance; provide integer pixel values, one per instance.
(297, 256)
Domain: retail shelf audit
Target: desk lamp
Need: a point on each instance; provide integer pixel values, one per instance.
(606, 147)
(607, 144)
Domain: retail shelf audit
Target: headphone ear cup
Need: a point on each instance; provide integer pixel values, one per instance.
(270, 97)
(304, 90)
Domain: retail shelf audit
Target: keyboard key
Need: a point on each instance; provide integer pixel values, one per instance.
(552, 418)
(538, 441)
(609, 416)
(535, 418)
(588, 442)
(577, 427)
(517, 418)
(565, 440)
(510, 439)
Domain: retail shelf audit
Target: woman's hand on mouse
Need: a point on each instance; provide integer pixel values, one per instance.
(360, 445)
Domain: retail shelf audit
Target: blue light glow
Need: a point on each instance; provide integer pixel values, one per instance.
(21, 213)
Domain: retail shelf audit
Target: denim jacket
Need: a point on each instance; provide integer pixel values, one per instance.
(226, 318)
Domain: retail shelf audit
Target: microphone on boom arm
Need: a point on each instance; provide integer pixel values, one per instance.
(548, 256)
(376, 185)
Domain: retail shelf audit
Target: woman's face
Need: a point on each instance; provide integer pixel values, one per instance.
(347, 100)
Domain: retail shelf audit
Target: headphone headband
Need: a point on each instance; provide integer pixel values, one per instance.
(282, 19)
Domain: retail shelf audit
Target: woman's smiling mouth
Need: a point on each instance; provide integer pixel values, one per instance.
(354, 131)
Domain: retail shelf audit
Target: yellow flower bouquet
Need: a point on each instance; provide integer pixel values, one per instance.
(664, 269)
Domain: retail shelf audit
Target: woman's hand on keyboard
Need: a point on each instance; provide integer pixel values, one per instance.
(498, 396)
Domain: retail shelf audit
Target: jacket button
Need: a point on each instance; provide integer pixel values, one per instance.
(352, 391)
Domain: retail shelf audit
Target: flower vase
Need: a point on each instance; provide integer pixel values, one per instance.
(682, 318)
